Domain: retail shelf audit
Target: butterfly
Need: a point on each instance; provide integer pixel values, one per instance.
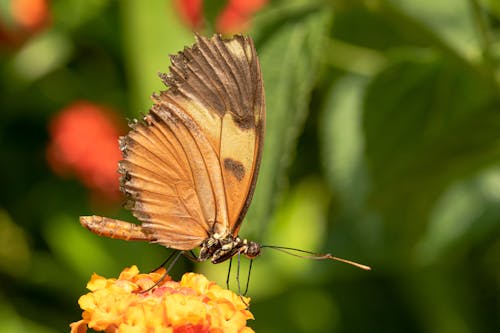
(190, 165)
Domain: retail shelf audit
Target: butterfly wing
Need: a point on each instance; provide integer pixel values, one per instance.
(190, 165)
(220, 83)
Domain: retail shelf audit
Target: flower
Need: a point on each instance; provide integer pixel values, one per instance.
(32, 15)
(194, 305)
(84, 142)
(190, 12)
(235, 17)
(22, 19)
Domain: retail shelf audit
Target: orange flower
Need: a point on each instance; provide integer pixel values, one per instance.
(21, 19)
(32, 15)
(84, 142)
(194, 305)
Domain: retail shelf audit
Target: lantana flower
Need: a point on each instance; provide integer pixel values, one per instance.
(84, 142)
(194, 304)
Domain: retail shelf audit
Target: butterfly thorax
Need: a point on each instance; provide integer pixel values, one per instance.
(219, 249)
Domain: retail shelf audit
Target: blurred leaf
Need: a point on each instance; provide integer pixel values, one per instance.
(290, 60)
(12, 322)
(86, 252)
(342, 141)
(152, 31)
(455, 26)
(300, 222)
(355, 59)
(373, 25)
(41, 55)
(322, 317)
(442, 300)
(14, 258)
(428, 121)
(493, 6)
(468, 211)
(212, 9)
(74, 13)
(78, 250)
(356, 230)
(452, 217)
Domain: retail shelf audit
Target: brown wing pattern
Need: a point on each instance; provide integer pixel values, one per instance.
(190, 165)
(218, 83)
(160, 171)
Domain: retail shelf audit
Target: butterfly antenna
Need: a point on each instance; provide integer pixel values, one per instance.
(316, 256)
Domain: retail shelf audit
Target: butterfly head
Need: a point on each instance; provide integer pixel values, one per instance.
(251, 249)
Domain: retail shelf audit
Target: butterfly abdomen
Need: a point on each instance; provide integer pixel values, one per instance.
(112, 228)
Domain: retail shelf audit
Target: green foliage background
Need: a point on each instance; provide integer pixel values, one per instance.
(382, 146)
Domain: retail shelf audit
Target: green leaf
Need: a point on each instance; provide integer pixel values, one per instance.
(454, 26)
(307, 201)
(493, 6)
(290, 60)
(72, 14)
(15, 258)
(14, 322)
(79, 249)
(342, 141)
(467, 212)
(428, 121)
(212, 9)
(152, 31)
(40, 56)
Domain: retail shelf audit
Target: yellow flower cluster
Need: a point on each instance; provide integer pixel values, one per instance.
(193, 305)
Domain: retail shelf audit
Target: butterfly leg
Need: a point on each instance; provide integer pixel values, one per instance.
(191, 256)
(176, 257)
(248, 277)
(238, 280)
(165, 261)
(229, 273)
(238, 273)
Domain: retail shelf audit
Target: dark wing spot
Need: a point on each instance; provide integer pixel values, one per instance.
(235, 167)
(245, 122)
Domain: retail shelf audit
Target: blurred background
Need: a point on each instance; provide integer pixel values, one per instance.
(382, 146)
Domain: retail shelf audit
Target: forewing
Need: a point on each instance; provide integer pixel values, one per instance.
(218, 84)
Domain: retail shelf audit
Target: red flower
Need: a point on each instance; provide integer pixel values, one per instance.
(190, 12)
(23, 19)
(237, 15)
(234, 18)
(30, 14)
(84, 142)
